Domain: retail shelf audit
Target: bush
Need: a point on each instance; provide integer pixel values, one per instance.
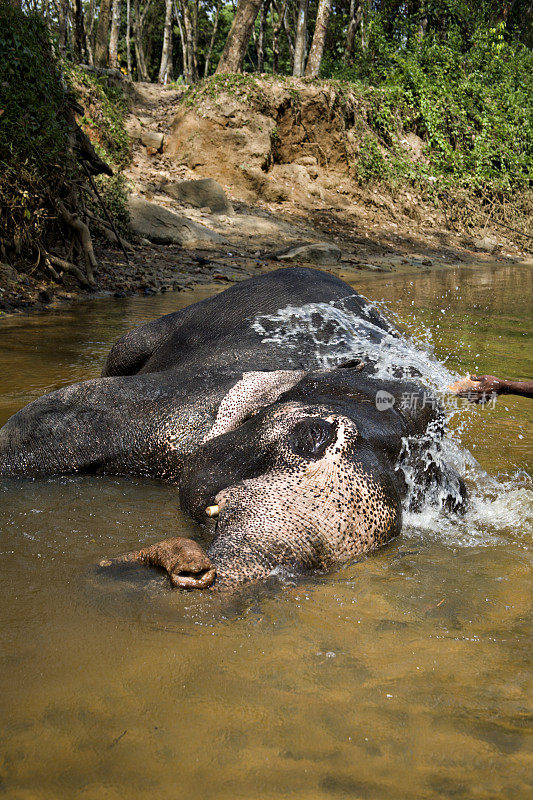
(103, 121)
(34, 126)
(470, 97)
(41, 182)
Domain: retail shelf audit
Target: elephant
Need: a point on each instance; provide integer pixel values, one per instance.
(267, 406)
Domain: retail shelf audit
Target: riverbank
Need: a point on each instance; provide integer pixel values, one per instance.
(155, 269)
(275, 194)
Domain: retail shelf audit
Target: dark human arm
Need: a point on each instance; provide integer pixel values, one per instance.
(482, 387)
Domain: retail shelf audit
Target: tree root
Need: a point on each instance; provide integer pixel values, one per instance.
(84, 238)
(113, 235)
(106, 212)
(66, 266)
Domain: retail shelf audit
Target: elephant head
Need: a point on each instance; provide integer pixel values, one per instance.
(306, 482)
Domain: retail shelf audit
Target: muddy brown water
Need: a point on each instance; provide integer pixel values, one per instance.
(404, 675)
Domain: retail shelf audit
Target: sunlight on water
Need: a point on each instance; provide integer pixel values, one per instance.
(404, 675)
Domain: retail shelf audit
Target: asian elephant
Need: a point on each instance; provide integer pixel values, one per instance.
(267, 405)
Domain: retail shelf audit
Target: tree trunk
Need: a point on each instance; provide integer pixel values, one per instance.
(423, 20)
(128, 36)
(363, 24)
(212, 40)
(276, 30)
(191, 36)
(300, 43)
(165, 70)
(62, 18)
(182, 38)
(78, 32)
(195, 40)
(319, 38)
(113, 37)
(288, 34)
(89, 29)
(102, 33)
(260, 46)
(356, 15)
(232, 57)
(142, 72)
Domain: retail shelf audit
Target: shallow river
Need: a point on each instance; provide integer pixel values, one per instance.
(404, 675)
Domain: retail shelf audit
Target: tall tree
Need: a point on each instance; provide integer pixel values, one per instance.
(78, 32)
(102, 33)
(89, 31)
(165, 69)
(183, 41)
(319, 38)
(138, 31)
(354, 21)
(260, 44)
(232, 57)
(281, 12)
(62, 21)
(113, 36)
(128, 36)
(189, 36)
(300, 42)
(212, 39)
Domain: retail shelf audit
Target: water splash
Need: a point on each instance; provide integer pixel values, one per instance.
(497, 506)
(337, 334)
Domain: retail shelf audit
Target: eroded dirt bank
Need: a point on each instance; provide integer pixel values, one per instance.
(285, 155)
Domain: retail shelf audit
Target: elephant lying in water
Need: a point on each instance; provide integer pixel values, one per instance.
(290, 464)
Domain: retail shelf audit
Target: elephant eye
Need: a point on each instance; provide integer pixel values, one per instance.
(311, 437)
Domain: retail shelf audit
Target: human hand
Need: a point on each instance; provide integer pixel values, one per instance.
(477, 388)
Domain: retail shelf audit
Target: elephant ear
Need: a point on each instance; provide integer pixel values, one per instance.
(253, 392)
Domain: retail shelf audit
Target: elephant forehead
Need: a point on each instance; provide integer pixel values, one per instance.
(254, 391)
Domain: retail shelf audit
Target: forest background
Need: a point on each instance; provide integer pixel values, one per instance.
(457, 74)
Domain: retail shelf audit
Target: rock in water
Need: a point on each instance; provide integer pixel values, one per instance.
(204, 193)
(319, 253)
(161, 226)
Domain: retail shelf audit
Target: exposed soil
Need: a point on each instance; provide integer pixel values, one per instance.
(283, 158)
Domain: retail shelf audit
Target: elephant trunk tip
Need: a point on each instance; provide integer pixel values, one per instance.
(197, 579)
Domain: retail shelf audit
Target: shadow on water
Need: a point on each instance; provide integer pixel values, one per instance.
(401, 675)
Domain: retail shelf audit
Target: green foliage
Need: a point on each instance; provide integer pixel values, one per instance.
(114, 192)
(34, 127)
(105, 107)
(371, 165)
(240, 85)
(37, 165)
(32, 132)
(468, 97)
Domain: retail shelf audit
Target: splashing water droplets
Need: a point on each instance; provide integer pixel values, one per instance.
(338, 334)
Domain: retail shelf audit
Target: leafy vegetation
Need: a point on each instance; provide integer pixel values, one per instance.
(34, 127)
(471, 101)
(104, 106)
(47, 193)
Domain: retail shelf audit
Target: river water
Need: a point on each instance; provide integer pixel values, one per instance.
(404, 675)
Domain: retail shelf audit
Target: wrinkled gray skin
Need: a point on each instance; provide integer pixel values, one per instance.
(303, 467)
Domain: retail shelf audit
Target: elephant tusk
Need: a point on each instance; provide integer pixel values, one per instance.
(212, 511)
